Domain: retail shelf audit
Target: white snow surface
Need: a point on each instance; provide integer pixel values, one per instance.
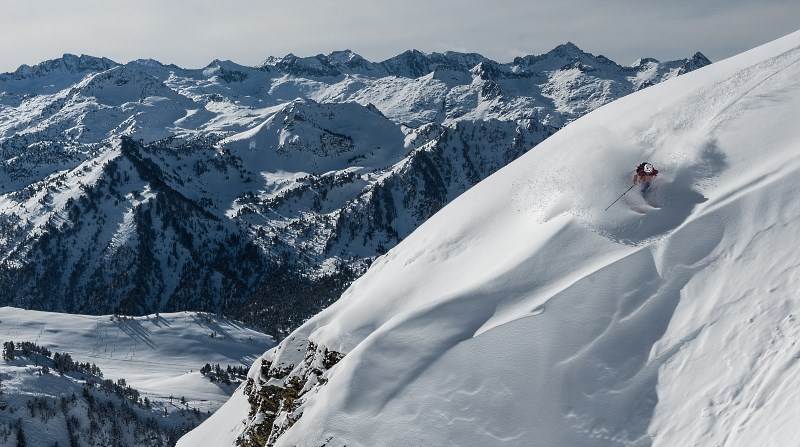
(525, 314)
(159, 356)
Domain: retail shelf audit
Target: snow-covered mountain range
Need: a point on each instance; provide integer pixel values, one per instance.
(525, 313)
(80, 380)
(147, 187)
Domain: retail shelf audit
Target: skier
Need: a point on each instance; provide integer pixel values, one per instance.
(645, 173)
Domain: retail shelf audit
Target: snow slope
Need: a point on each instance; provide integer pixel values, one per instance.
(160, 356)
(525, 314)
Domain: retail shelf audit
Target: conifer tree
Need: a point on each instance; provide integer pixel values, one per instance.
(20, 435)
(8, 350)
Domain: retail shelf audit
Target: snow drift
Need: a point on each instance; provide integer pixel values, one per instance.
(525, 314)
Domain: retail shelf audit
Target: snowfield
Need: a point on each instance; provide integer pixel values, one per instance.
(525, 314)
(158, 355)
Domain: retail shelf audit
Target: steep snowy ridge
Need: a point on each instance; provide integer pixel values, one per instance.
(523, 313)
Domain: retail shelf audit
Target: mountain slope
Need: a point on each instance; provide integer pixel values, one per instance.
(525, 314)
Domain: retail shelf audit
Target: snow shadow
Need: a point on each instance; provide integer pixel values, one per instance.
(579, 369)
(158, 321)
(590, 349)
(134, 329)
(675, 190)
(215, 329)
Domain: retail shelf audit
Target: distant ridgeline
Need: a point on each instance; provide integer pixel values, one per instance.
(50, 399)
(259, 192)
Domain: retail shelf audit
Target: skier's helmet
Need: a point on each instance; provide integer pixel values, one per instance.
(647, 168)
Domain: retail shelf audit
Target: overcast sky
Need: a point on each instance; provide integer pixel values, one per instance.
(193, 33)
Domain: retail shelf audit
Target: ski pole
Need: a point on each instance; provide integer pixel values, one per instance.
(626, 191)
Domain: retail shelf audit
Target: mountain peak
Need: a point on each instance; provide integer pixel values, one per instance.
(644, 61)
(698, 60)
(410, 64)
(69, 63)
(568, 49)
(349, 61)
(569, 46)
(564, 55)
(314, 66)
(343, 55)
(147, 63)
